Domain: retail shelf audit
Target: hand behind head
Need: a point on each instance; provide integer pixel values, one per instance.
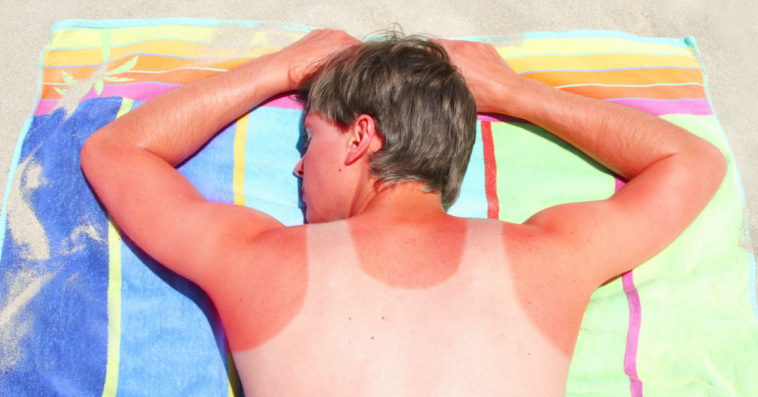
(485, 71)
(299, 59)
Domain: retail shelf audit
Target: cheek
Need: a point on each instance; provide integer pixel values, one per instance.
(317, 181)
(323, 185)
(316, 165)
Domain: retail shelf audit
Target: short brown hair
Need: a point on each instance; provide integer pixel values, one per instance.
(419, 102)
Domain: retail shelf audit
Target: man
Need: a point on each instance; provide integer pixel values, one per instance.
(383, 293)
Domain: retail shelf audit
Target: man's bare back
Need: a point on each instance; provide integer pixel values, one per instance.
(384, 293)
(471, 317)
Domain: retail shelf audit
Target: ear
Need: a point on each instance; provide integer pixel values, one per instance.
(363, 139)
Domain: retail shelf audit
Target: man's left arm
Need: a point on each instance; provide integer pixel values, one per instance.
(130, 162)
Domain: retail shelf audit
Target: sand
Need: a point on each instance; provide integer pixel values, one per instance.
(25, 228)
(724, 31)
(15, 322)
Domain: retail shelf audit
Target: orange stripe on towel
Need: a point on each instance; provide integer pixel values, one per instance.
(169, 48)
(145, 62)
(619, 77)
(177, 76)
(693, 91)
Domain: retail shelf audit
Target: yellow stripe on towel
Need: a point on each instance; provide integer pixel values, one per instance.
(64, 38)
(593, 62)
(114, 292)
(238, 174)
(126, 106)
(531, 47)
(114, 309)
(120, 37)
(235, 383)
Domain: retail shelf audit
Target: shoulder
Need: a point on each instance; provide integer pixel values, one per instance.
(267, 257)
(261, 287)
(510, 235)
(534, 255)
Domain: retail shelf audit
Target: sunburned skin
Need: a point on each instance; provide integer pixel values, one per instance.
(553, 295)
(258, 299)
(478, 326)
(384, 294)
(410, 256)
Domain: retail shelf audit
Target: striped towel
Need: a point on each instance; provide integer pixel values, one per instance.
(83, 311)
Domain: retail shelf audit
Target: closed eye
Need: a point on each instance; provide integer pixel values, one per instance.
(307, 142)
(304, 141)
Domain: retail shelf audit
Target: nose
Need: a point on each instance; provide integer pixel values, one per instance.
(299, 168)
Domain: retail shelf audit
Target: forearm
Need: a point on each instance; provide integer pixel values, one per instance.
(130, 166)
(625, 140)
(174, 125)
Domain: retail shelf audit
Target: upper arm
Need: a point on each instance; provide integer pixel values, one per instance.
(602, 239)
(165, 215)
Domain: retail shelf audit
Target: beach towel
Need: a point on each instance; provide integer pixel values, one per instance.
(83, 311)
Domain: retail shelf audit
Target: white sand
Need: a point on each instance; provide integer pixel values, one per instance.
(15, 322)
(26, 229)
(725, 33)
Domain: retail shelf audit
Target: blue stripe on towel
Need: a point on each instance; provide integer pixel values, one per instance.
(159, 351)
(472, 202)
(157, 304)
(270, 157)
(210, 170)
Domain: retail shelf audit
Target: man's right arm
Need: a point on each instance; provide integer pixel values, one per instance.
(672, 173)
(130, 162)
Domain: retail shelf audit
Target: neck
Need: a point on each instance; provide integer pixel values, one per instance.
(403, 201)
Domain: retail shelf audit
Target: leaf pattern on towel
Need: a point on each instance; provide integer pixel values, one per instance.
(76, 89)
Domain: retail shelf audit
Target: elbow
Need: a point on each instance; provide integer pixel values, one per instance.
(712, 166)
(718, 165)
(88, 156)
(95, 155)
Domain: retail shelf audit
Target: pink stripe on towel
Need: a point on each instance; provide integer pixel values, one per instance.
(633, 333)
(145, 91)
(45, 107)
(139, 92)
(284, 101)
(698, 107)
(619, 184)
(494, 118)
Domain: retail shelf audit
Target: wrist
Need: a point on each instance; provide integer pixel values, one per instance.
(269, 75)
(520, 97)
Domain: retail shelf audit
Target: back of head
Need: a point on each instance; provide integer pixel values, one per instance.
(419, 102)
